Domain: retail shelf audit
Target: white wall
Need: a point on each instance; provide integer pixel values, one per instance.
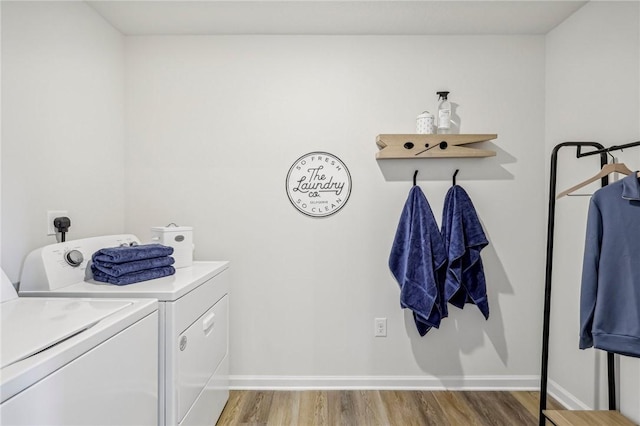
(592, 93)
(213, 125)
(63, 132)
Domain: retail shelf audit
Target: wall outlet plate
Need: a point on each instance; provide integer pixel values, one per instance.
(51, 215)
(380, 325)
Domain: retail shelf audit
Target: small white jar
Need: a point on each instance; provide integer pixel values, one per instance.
(425, 124)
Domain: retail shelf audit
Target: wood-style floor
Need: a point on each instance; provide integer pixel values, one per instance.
(369, 408)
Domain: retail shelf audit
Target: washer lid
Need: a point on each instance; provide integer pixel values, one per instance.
(31, 325)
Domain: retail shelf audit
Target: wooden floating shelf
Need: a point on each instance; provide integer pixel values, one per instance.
(431, 146)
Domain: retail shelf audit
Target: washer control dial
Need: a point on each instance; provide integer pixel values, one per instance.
(74, 258)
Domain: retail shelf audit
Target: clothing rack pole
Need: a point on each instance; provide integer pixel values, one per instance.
(581, 154)
(549, 269)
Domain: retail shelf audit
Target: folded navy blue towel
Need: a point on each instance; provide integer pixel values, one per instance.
(418, 262)
(134, 277)
(119, 269)
(130, 254)
(463, 240)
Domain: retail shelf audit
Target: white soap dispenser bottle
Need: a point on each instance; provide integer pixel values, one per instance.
(444, 113)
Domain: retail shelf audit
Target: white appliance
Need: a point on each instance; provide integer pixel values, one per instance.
(77, 361)
(193, 307)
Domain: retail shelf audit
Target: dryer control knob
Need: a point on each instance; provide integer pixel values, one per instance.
(74, 258)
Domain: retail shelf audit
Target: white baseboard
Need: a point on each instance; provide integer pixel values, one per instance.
(565, 398)
(385, 382)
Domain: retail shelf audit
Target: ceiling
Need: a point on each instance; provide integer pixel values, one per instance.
(352, 17)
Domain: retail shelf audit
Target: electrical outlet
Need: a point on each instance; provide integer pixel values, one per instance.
(380, 327)
(51, 215)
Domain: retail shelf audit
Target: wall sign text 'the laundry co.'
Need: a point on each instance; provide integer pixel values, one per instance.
(318, 184)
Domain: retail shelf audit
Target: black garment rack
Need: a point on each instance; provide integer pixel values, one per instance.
(602, 151)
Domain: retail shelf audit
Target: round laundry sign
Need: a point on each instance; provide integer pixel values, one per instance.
(318, 184)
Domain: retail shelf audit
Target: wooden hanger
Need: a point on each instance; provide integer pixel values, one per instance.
(606, 170)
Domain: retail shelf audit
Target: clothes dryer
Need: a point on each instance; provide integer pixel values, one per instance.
(70, 361)
(193, 308)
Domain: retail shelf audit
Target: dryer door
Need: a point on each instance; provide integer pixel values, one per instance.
(202, 346)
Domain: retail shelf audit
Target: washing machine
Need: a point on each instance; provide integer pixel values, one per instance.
(77, 361)
(193, 308)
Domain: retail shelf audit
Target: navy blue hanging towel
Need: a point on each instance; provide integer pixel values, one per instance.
(418, 262)
(463, 240)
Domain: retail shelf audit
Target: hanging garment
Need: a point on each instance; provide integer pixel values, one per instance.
(463, 240)
(610, 291)
(418, 262)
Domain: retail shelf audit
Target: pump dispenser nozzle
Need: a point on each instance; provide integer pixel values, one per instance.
(442, 95)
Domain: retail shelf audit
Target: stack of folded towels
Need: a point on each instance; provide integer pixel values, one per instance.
(128, 265)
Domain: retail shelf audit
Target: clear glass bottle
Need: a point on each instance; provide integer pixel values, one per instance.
(444, 113)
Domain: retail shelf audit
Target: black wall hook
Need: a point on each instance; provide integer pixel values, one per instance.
(454, 176)
(415, 174)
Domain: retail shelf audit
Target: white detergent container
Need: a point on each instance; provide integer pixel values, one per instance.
(178, 237)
